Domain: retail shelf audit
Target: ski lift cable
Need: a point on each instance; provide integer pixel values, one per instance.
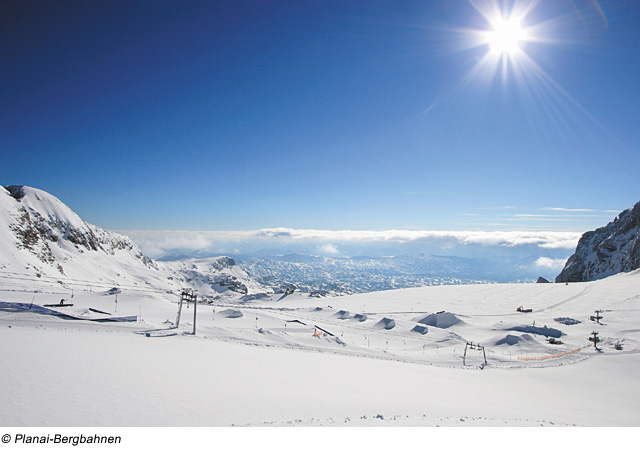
(78, 282)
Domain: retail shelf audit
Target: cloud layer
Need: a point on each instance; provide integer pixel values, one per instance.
(550, 263)
(158, 243)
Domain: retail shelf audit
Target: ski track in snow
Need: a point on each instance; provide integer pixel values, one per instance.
(425, 420)
(584, 292)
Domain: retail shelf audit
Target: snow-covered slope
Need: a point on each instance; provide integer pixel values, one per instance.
(214, 275)
(389, 358)
(43, 236)
(606, 251)
(43, 240)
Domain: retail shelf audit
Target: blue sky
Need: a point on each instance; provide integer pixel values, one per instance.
(330, 115)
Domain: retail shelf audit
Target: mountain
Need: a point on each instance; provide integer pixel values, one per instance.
(345, 275)
(42, 239)
(41, 235)
(606, 251)
(214, 275)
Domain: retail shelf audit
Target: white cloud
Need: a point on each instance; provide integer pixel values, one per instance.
(328, 249)
(551, 263)
(598, 212)
(569, 209)
(568, 243)
(545, 239)
(156, 243)
(175, 242)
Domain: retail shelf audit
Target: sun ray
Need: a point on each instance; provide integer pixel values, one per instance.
(504, 51)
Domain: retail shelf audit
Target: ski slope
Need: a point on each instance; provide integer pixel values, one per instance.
(391, 358)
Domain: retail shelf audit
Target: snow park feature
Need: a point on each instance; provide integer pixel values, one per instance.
(36, 309)
(386, 323)
(441, 319)
(420, 329)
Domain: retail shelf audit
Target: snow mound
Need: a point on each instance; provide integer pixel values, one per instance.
(113, 291)
(231, 314)
(512, 339)
(420, 329)
(440, 320)
(342, 314)
(520, 342)
(385, 323)
(360, 317)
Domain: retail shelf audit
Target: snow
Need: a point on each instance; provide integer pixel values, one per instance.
(266, 367)
(441, 319)
(48, 206)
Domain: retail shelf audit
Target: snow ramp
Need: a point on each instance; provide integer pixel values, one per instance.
(441, 319)
(385, 323)
(37, 309)
(231, 314)
(420, 329)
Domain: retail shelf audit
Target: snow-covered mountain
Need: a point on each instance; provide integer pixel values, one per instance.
(606, 251)
(348, 275)
(214, 275)
(42, 239)
(42, 235)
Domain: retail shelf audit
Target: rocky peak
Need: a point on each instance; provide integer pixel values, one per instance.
(606, 251)
(48, 228)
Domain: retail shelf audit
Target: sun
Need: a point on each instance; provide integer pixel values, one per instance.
(505, 38)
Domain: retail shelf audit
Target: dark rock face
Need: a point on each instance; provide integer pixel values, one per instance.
(223, 262)
(231, 283)
(542, 280)
(606, 251)
(15, 191)
(32, 237)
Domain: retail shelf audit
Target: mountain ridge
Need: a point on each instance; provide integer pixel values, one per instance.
(42, 238)
(607, 250)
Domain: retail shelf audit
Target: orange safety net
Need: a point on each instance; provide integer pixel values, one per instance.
(539, 358)
(317, 332)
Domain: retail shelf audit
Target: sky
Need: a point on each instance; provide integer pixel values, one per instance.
(365, 116)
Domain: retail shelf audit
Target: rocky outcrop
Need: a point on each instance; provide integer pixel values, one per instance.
(609, 250)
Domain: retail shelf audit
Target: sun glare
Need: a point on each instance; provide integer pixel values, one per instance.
(504, 49)
(506, 36)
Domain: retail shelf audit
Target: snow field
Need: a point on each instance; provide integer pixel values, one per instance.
(274, 371)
